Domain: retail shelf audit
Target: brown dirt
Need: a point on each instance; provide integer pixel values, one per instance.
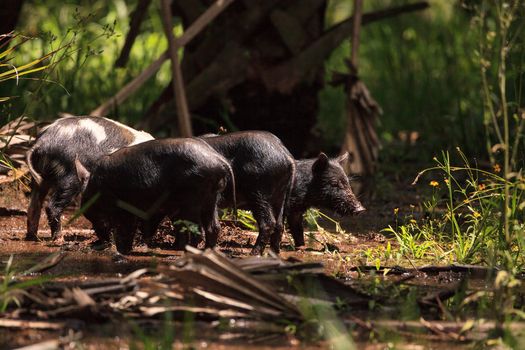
(82, 263)
(81, 260)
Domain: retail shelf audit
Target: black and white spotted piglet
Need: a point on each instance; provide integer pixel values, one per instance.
(138, 186)
(51, 162)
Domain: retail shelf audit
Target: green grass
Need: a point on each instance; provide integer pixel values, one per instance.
(463, 222)
(422, 69)
(86, 76)
(14, 283)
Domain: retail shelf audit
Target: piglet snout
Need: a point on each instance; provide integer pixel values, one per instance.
(359, 210)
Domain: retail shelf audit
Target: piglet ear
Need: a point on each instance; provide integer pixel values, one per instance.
(321, 163)
(82, 173)
(342, 159)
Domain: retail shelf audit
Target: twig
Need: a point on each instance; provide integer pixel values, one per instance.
(183, 114)
(45, 345)
(356, 29)
(134, 27)
(45, 264)
(196, 27)
(11, 323)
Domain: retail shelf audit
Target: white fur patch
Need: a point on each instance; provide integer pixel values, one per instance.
(62, 116)
(95, 129)
(140, 136)
(66, 132)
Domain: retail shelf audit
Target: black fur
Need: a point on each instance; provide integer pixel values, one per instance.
(321, 183)
(264, 171)
(140, 185)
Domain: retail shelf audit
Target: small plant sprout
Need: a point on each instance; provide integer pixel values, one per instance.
(12, 286)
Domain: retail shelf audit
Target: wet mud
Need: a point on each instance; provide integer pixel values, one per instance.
(341, 257)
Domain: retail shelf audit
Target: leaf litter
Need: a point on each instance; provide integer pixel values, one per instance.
(260, 293)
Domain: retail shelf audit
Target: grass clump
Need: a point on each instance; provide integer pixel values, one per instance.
(13, 286)
(463, 217)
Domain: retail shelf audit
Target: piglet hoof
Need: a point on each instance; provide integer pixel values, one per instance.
(257, 251)
(31, 237)
(124, 246)
(119, 258)
(196, 241)
(99, 245)
(276, 249)
(59, 241)
(300, 248)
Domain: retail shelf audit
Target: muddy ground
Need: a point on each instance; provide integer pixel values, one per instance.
(340, 255)
(81, 263)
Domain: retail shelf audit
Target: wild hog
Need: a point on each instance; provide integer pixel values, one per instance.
(51, 162)
(140, 185)
(321, 183)
(264, 172)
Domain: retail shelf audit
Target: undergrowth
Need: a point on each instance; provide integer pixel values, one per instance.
(463, 217)
(13, 284)
(475, 212)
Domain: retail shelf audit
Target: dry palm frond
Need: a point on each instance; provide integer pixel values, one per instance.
(15, 139)
(207, 284)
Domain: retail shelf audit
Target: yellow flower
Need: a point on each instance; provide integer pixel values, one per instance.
(396, 210)
(481, 187)
(496, 168)
(446, 181)
(476, 214)
(434, 183)
(466, 201)
(412, 221)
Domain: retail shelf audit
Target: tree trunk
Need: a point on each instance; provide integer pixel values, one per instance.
(260, 65)
(256, 35)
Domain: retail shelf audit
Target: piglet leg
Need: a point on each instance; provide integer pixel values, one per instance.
(38, 194)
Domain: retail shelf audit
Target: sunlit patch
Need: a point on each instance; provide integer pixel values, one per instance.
(96, 130)
(139, 136)
(67, 131)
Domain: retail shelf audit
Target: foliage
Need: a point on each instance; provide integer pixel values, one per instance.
(469, 228)
(11, 72)
(12, 288)
(86, 75)
(244, 218)
(476, 212)
(421, 69)
(484, 209)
